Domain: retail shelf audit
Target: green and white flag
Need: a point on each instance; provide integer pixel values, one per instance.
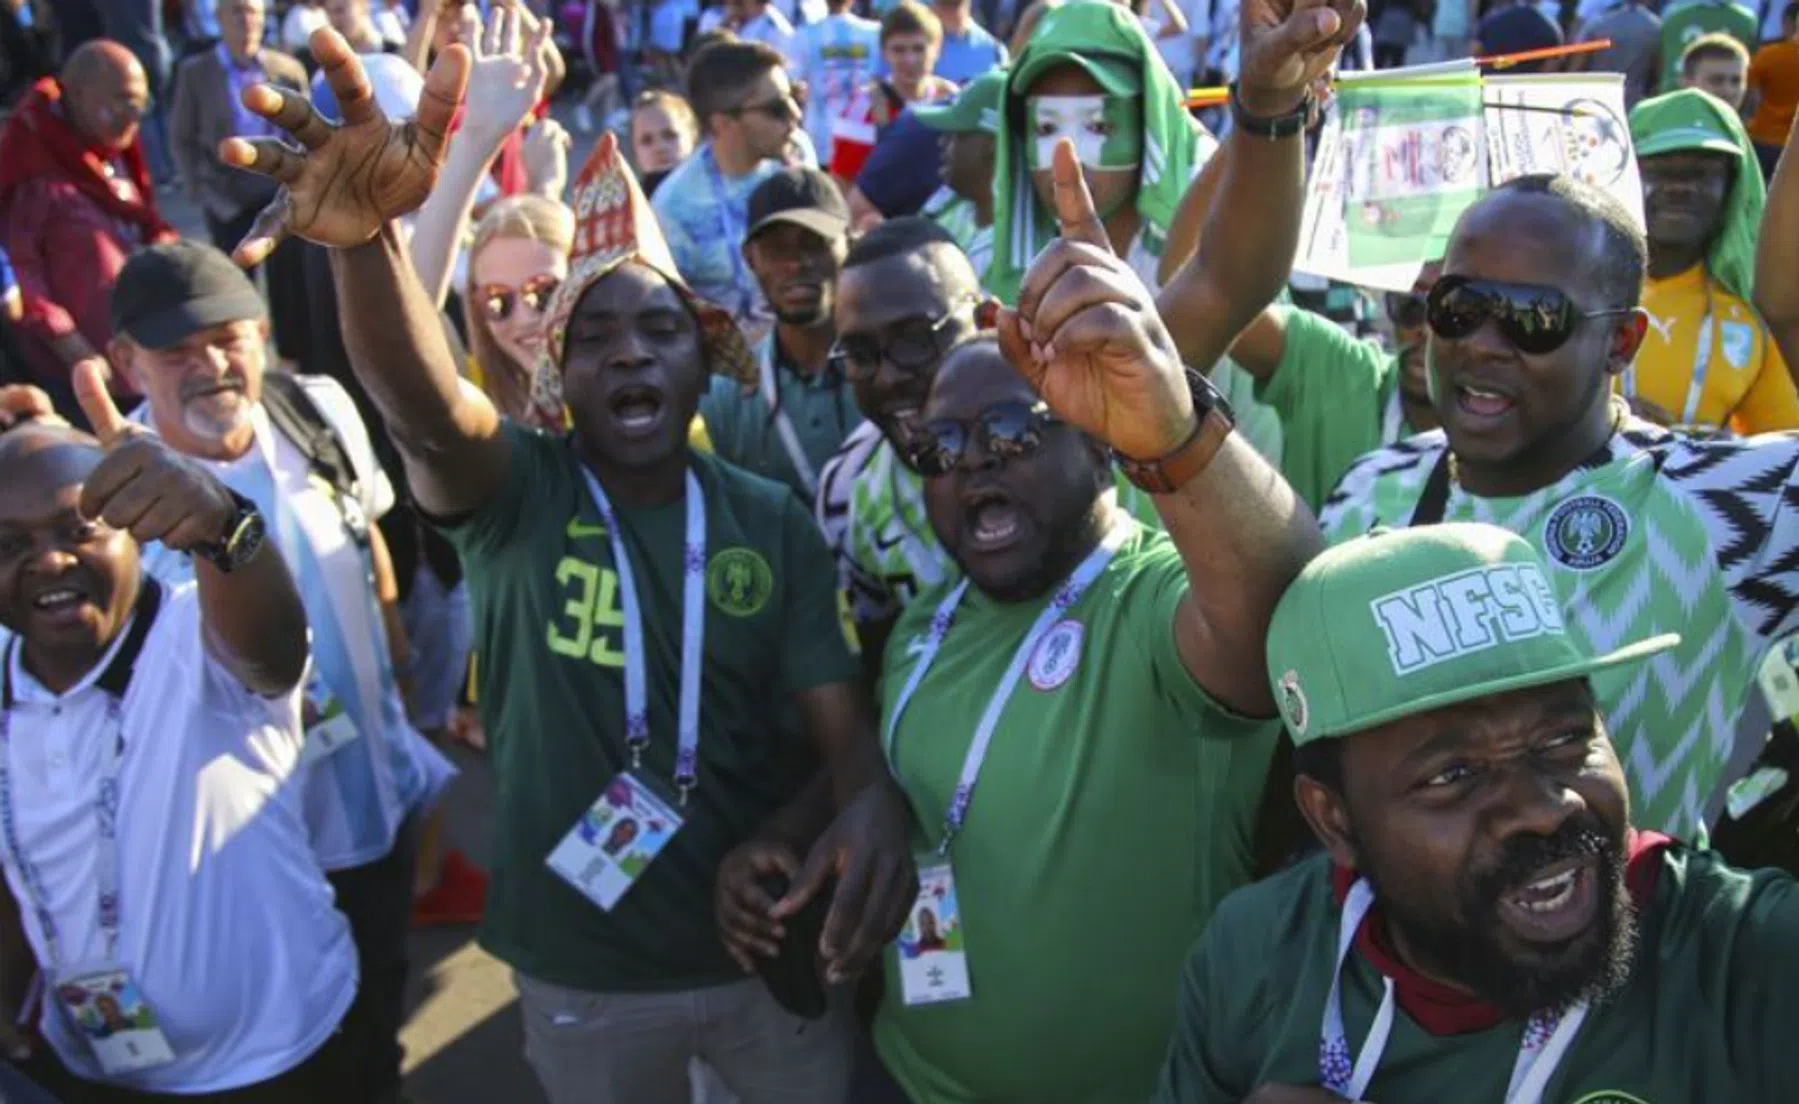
(1412, 162)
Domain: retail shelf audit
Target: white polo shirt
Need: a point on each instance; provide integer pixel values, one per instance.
(225, 919)
(354, 798)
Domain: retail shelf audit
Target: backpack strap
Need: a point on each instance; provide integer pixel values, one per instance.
(300, 420)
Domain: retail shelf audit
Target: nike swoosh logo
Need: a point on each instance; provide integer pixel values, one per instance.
(578, 529)
(885, 541)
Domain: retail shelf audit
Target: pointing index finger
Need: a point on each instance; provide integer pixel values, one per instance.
(1076, 215)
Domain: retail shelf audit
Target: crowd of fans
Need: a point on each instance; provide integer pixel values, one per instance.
(1380, 687)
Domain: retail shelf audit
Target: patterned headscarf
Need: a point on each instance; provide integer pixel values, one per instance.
(614, 224)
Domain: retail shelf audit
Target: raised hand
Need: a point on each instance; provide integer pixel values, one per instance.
(346, 180)
(142, 485)
(1088, 338)
(22, 402)
(507, 73)
(1286, 45)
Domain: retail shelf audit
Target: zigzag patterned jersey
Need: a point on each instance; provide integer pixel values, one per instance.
(1656, 533)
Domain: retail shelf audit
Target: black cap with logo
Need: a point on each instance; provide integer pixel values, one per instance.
(803, 197)
(167, 292)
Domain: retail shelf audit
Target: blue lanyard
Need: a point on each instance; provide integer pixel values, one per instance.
(693, 630)
(1064, 599)
(735, 229)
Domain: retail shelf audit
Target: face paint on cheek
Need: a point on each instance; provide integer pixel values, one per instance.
(1107, 131)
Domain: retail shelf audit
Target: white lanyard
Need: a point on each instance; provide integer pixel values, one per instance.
(1064, 599)
(1547, 1036)
(1702, 363)
(693, 631)
(790, 438)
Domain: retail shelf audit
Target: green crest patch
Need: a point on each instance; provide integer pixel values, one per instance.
(739, 581)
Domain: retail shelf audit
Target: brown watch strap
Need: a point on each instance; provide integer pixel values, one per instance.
(1171, 472)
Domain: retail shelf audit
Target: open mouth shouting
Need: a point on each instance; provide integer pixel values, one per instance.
(638, 410)
(1556, 904)
(991, 520)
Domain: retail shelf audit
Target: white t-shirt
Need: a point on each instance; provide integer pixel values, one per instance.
(837, 57)
(226, 922)
(772, 28)
(353, 799)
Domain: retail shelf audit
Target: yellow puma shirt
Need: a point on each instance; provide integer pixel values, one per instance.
(1745, 383)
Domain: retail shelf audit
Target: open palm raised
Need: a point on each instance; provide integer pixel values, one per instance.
(345, 180)
(1087, 336)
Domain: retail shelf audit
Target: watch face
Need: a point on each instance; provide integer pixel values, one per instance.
(242, 543)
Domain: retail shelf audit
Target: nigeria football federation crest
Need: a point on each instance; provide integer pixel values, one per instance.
(1585, 532)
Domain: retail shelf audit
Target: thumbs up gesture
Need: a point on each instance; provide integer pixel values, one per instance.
(142, 485)
(1088, 338)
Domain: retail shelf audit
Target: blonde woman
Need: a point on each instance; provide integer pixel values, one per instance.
(518, 258)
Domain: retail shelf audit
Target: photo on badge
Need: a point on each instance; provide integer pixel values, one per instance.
(933, 961)
(615, 840)
(109, 1010)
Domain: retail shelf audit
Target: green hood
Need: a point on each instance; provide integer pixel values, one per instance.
(1171, 137)
(1691, 120)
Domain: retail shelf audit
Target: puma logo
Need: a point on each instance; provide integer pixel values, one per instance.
(1664, 327)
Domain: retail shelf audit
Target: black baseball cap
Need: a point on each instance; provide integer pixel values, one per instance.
(804, 197)
(167, 292)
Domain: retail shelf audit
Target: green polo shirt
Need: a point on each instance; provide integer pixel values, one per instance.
(746, 431)
(1708, 1013)
(1114, 811)
(549, 627)
(1338, 396)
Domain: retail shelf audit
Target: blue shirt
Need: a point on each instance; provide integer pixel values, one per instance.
(969, 54)
(705, 215)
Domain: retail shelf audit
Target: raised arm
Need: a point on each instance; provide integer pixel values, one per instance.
(1777, 258)
(255, 625)
(1251, 225)
(1087, 335)
(342, 192)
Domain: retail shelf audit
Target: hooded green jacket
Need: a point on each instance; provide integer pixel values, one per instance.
(1686, 120)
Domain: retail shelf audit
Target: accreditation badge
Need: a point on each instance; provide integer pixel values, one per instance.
(933, 959)
(615, 840)
(106, 1008)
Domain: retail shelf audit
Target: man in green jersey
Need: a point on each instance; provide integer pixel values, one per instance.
(1485, 923)
(644, 613)
(1074, 720)
(1645, 530)
(801, 409)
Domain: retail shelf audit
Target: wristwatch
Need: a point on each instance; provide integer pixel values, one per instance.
(1270, 127)
(244, 534)
(1212, 423)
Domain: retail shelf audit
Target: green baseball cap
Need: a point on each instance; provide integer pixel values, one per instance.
(1117, 76)
(975, 108)
(1405, 621)
(1683, 121)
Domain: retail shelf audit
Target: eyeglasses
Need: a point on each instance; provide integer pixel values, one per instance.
(1405, 309)
(498, 300)
(1007, 431)
(1536, 319)
(912, 345)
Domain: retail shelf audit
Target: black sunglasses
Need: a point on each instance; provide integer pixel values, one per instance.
(1007, 431)
(1535, 319)
(781, 110)
(912, 344)
(1406, 309)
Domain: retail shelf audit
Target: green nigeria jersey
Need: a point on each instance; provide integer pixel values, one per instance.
(1703, 1017)
(1659, 533)
(870, 506)
(1682, 22)
(549, 628)
(1115, 808)
(1337, 396)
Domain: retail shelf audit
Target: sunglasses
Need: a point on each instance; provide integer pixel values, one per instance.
(912, 345)
(782, 110)
(1006, 431)
(1537, 320)
(497, 300)
(1406, 309)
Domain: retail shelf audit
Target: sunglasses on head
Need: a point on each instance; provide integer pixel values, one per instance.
(1535, 319)
(912, 344)
(497, 300)
(1006, 431)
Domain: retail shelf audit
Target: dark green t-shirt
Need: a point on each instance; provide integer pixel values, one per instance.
(549, 631)
(1708, 1014)
(1338, 397)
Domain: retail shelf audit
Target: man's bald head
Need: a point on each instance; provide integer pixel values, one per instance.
(105, 92)
(47, 455)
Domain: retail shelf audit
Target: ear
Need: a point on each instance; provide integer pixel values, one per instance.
(1625, 338)
(119, 355)
(1328, 817)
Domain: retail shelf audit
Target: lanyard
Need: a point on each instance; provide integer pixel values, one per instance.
(790, 438)
(1547, 1036)
(735, 231)
(1702, 363)
(693, 630)
(1064, 599)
